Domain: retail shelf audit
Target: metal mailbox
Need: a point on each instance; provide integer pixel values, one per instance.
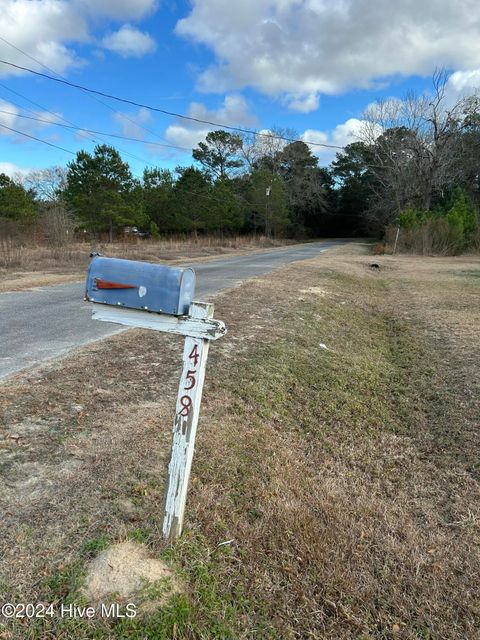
(140, 285)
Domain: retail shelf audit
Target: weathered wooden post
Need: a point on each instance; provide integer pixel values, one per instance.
(148, 296)
(396, 240)
(195, 353)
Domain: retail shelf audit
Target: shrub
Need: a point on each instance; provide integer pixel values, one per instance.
(411, 218)
(154, 230)
(446, 230)
(462, 219)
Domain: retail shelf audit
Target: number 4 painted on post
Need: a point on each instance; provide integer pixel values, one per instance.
(193, 355)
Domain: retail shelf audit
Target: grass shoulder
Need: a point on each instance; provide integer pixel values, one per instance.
(335, 464)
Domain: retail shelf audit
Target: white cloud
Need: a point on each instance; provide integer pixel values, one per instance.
(303, 48)
(314, 135)
(81, 134)
(342, 135)
(234, 111)
(40, 28)
(462, 83)
(10, 116)
(129, 42)
(47, 29)
(185, 137)
(12, 170)
(347, 132)
(8, 119)
(48, 117)
(118, 9)
(131, 123)
(303, 103)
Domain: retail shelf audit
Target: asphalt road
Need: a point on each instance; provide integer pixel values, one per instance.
(48, 322)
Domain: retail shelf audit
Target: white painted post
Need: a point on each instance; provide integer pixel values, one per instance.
(396, 240)
(195, 355)
(206, 328)
(200, 329)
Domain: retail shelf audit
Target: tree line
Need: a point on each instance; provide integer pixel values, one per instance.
(415, 165)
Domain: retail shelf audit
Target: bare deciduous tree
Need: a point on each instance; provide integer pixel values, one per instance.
(47, 184)
(263, 151)
(57, 222)
(420, 150)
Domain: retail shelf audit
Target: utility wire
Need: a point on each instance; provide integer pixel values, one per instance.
(59, 116)
(164, 111)
(95, 141)
(61, 79)
(55, 146)
(101, 133)
(50, 144)
(105, 104)
(36, 104)
(193, 193)
(27, 135)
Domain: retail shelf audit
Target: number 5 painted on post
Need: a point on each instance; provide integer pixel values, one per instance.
(191, 376)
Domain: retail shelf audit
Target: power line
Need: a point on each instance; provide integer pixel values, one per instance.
(125, 117)
(101, 133)
(57, 115)
(36, 104)
(50, 144)
(55, 146)
(27, 135)
(165, 112)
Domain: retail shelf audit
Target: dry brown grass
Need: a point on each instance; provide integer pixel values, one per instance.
(347, 478)
(23, 267)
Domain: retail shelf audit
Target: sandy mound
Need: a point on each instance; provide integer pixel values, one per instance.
(125, 569)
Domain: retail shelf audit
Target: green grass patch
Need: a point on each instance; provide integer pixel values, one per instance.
(92, 547)
(363, 380)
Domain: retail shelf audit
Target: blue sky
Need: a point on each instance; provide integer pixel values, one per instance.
(308, 65)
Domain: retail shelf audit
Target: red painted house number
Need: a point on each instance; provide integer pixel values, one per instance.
(191, 381)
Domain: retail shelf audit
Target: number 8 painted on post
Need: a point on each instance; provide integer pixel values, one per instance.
(186, 403)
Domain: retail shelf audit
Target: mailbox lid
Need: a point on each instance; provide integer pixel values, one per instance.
(140, 285)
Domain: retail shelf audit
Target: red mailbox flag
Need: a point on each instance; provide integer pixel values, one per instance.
(106, 284)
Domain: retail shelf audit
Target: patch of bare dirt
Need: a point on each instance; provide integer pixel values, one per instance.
(127, 569)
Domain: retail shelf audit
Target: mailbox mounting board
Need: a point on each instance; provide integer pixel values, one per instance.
(140, 285)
